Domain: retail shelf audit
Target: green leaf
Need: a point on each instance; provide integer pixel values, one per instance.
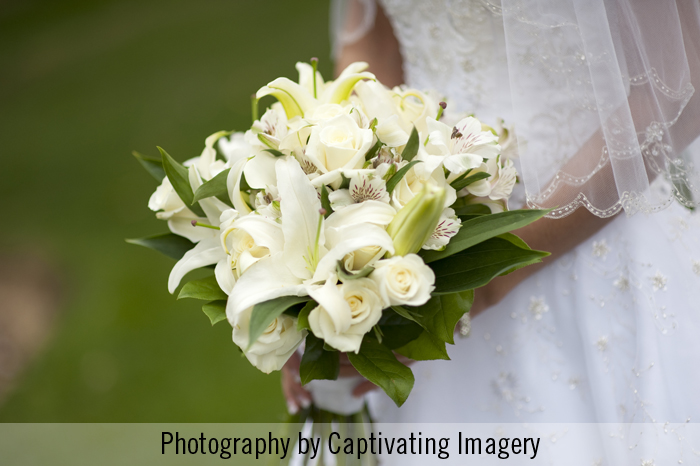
(303, 317)
(479, 229)
(345, 275)
(476, 266)
(377, 363)
(516, 240)
(397, 330)
(213, 188)
(274, 152)
(325, 201)
(206, 288)
(424, 348)
(317, 363)
(167, 243)
(264, 313)
(464, 182)
(390, 172)
(373, 150)
(152, 165)
(411, 148)
(215, 310)
(405, 313)
(345, 183)
(394, 180)
(440, 315)
(179, 178)
(471, 209)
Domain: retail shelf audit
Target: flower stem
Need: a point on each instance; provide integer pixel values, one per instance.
(314, 63)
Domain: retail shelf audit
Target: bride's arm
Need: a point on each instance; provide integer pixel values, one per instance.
(378, 46)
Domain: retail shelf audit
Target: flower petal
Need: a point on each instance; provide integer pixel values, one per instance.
(300, 207)
(348, 239)
(267, 279)
(206, 252)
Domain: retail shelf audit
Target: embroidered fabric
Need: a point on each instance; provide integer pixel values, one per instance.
(600, 92)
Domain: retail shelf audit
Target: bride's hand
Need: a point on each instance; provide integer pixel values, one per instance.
(298, 397)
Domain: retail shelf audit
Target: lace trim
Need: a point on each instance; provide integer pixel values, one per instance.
(631, 203)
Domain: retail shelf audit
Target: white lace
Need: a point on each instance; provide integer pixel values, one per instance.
(595, 89)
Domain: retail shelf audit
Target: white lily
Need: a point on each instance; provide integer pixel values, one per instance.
(298, 99)
(310, 251)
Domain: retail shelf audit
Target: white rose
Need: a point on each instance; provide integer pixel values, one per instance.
(345, 312)
(338, 144)
(404, 280)
(274, 347)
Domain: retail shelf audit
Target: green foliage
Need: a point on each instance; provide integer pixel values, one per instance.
(440, 315)
(317, 363)
(374, 149)
(394, 180)
(179, 178)
(345, 275)
(264, 313)
(325, 201)
(479, 229)
(213, 188)
(377, 363)
(152, 165)
(166, 243)
(464, 181)
(275, 152)
(470, 209)
(396, 330)
(476, 266)
(206, 289)
(411, 149)
(303, 317)
(426, 347)
(215, 310)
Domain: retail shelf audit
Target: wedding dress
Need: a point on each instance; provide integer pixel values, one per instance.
(610, 332)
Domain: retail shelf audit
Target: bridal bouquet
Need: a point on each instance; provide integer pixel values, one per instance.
(349, 218)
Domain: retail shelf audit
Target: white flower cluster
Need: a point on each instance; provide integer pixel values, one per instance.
(334, 191)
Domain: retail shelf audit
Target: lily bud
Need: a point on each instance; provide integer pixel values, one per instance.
(413, 225)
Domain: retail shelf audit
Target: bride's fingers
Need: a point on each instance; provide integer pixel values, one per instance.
(363, 388)
(297, 397)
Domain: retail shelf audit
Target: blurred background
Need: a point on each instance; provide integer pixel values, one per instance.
(88, 331)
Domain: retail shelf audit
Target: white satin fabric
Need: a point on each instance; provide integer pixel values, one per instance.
(601, 96)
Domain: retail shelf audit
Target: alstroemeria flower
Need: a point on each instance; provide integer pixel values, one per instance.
(447, 227)
(460, 148)
(499, 185)
(362, 188)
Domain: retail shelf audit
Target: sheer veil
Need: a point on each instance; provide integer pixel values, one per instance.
(602, 91)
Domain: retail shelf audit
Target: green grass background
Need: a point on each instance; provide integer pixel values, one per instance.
(82, 84)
